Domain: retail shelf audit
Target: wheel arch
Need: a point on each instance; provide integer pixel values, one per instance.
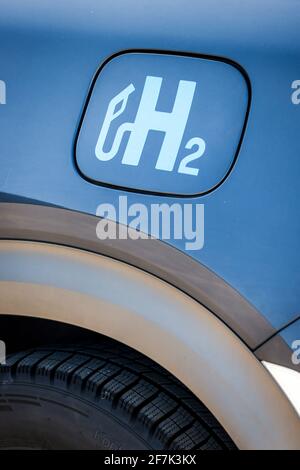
(131, 306)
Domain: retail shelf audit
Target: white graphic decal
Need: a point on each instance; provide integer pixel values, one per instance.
(173, 124)
(296, 353)
(2, 352)
(296, 94)
(2, 92)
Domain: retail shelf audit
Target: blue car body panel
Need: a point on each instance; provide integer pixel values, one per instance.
(291, 332)
(49, 54)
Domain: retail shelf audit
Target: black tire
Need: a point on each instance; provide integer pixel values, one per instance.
(100, 397)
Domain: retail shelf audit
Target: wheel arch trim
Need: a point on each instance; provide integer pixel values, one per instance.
(151, 316)
(65, 227)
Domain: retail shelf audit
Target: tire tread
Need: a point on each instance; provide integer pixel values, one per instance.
(141, 389)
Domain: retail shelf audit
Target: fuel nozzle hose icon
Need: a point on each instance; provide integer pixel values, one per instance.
(173, 125)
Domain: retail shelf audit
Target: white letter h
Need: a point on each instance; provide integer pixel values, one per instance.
(172, 124)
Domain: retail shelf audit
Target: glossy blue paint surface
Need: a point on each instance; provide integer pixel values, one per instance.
(49, 55)
(291, 334)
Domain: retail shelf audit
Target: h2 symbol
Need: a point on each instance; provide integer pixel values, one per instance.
(173, 124)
